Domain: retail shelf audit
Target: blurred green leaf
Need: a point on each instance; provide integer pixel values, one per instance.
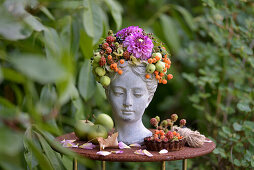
(34, 23)
(243, 107)
(92, 20)
(51, 155)
(170, 32)
(86, 83)
(116, 10)
(86, 44)
(187, 16)
(38, 68)
(10, 143)
(42, 159)
(237, 126)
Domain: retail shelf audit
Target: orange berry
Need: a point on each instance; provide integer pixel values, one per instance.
(157, 77)
(163, 48)
(122, 61)
(161, 74)
(170, 76)
(164, 81)
(174, 133)
(116, 69)
(162, 132)
(120, 72)
(162, 137)
(154, 60)
(156, 72)
(109, 57)
(160, 80)
(150, 60)
(155, 136)
(165, 69)
(157, 132)
(165, 56)
(179, 137)
(157, 58)
(148, 76)
(114, 65)
(168, 61)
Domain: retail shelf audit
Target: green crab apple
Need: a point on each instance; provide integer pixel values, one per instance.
(82, 128)
(100, 71)
(160, 66)
(105, 80)
(157, 54)
(95, 132)
(150, 68)
(105, 120)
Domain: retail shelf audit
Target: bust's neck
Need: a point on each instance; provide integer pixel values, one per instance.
(132, 132)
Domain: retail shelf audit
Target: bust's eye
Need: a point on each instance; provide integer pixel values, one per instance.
(138, 94)
(118, 92)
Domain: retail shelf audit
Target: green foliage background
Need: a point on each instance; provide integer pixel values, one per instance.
(46, 82)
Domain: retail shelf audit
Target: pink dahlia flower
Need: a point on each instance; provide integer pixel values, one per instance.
(129, 30)
(140, 45)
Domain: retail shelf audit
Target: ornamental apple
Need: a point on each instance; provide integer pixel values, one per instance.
(105, 120)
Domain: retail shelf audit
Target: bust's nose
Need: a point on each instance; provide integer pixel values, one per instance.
(128, 100)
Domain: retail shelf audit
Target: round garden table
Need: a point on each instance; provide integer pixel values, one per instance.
(128, 155)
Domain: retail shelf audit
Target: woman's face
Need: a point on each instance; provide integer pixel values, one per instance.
(128, 96)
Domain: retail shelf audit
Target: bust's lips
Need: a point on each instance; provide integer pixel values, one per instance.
(127, 112)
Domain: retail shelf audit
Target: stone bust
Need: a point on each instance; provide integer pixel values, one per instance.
(129, 95)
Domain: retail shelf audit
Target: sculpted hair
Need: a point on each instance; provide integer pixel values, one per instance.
(139, 70)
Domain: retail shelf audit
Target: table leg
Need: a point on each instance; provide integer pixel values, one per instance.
(184, 167)
(163, 165)
(75, 164)
(103, 165)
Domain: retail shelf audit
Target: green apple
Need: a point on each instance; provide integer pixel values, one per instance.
(150, 68)
(160, 66)
(105, 80)
(100, 71)
(82, 128)
(97, 131)
(157, 54)
(105, 120)
(97, 57)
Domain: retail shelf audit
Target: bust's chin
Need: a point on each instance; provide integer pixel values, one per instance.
(137, 137)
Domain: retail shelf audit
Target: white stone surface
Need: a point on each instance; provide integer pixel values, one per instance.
(129, 96)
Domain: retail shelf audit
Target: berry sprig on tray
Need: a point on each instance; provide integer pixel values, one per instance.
(164, 129)
(131, 45)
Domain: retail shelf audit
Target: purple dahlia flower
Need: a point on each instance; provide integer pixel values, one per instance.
(129, 30)
(140, 45)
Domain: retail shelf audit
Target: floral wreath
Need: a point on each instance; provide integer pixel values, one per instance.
(131, 44)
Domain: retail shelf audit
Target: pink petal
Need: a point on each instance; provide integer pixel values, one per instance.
(87, 146)
(208, 141)
(163, 151)
(122, 145)
(135, 145)
(139, 152)
(103, 153)
(147, 153)
(69, 143)
(117, 152)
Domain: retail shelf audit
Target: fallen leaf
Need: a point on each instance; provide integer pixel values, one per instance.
(111, 141)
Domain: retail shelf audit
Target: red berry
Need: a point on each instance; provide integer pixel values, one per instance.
(165, 139)
(169, 135)
(102, 62)
(153, 122)
(126, 55)
(108, 50)
(110, 39)
(105, 45)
